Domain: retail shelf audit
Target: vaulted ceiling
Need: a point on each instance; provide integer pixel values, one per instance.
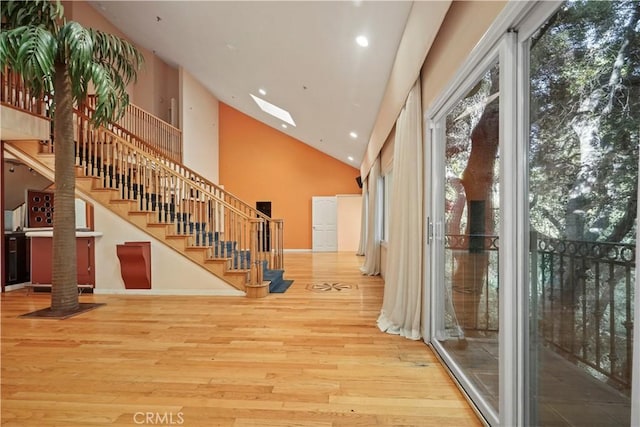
(302, 54)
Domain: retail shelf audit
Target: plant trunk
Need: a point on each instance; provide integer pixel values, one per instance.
(64, 291)
(472, 263)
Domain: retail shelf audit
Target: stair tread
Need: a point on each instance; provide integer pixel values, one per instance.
(264, 283)
(217, 259)
(245, 271)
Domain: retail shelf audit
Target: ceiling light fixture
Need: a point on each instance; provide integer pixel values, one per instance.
(350, 158)
(262, 92)
(274, 110)
(362, 41)
(284, 126)
(353, 135)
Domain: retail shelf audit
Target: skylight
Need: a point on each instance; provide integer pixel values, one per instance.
(274, 110)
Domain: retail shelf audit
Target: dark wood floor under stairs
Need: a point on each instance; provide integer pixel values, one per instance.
(312, 356)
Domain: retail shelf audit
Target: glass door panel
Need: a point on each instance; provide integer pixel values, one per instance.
(467, 331)
(583, 183)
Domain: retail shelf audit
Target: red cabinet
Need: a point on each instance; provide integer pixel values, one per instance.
(42, 256)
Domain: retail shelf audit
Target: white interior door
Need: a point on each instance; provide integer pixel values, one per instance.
(325, 224)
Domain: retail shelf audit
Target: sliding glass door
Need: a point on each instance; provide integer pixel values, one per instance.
(584, 98)
(532, 217)
(468, 222)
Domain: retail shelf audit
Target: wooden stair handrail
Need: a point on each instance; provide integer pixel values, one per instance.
(159, 163)
(153, 177)
(253, 211)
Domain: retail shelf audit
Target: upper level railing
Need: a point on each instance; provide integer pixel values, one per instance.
(14, 94)
(583, 295)
(146, 127)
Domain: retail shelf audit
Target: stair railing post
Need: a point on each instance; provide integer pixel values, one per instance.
(255, 272)
(277, 243)
(256, 288)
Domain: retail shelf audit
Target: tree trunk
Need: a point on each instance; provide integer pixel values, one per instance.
(469, 277)
(64, 291)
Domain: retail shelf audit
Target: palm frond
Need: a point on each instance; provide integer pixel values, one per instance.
(115, 64)
(77, 51)
(8, 48)
(31, 52)
(121, 55)
(108, 95)
(44, 13)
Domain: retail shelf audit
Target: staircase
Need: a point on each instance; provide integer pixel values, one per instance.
(148, 187)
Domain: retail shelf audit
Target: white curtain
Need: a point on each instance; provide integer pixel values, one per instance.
(401, 306)
(371, 265)
(363, 220)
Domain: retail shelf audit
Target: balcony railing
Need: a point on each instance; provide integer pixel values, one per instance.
(583, 291)
(585, 294)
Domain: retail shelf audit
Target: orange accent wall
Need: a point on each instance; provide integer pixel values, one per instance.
(260, 163)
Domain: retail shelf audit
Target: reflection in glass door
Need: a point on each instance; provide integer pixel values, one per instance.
(583, 183)
(468, 331)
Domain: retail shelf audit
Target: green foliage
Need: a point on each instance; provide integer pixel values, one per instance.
(36, 13)
(585, 120)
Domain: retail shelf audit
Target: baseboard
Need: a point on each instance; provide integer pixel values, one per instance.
(160, 292)
(9, 288)
(296, 250)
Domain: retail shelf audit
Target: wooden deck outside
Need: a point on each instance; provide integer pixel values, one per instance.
(312, 356)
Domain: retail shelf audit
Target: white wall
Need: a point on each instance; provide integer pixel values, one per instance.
(200, 126)
(171, 273)
(349, 218)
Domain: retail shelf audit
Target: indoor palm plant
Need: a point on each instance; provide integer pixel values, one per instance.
(64, 58)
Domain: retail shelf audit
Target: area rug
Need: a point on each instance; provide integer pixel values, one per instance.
(46, 313)
(280, 287)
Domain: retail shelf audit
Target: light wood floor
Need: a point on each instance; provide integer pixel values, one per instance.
(303, 358)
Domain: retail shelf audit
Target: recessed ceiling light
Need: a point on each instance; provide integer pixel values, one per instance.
(353, 135)
(362, 41)
(284, 126)
(274, 110)
(350, 158)
(262, 92)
